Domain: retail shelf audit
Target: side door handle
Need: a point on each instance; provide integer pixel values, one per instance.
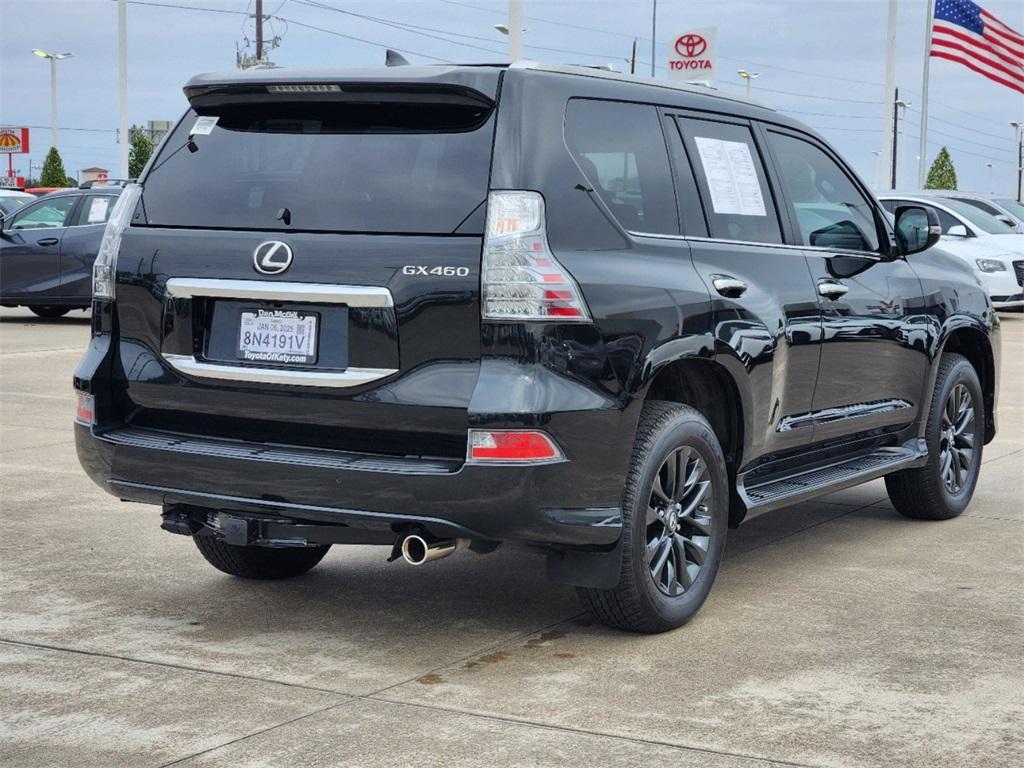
(729, 287)
(832, 290)
(48, 241)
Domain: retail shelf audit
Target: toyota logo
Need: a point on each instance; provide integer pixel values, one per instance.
(691, 45)
(272, 257)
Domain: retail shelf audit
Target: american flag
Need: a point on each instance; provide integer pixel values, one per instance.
(966, 33)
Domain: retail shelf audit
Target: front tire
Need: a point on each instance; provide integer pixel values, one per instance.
(943, 487)
(264, 563)
(49, 312)
(675, 514)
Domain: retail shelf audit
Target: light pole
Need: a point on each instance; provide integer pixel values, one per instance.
(900, 116)
(54, 58)
(1018, 140)
(514, 29)
(749, 77)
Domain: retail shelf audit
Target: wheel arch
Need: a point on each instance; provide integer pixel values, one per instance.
(975, 344)
(707, 385)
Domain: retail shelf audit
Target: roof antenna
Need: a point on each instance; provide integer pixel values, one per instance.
(395, 59)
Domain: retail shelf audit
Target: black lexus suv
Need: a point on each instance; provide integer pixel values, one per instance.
(453, 307)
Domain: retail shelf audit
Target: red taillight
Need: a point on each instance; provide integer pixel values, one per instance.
(511, 446)
(84, 413)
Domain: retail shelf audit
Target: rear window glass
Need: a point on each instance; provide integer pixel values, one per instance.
(622, 152)
(335, 166)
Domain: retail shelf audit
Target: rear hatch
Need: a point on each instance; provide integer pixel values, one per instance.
(304, 266)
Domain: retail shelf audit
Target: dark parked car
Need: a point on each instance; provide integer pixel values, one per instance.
(47, 248)
(456, 307)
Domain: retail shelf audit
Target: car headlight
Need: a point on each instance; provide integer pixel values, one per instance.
(990, 265)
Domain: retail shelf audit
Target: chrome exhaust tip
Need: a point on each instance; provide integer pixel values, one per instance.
(416, 550)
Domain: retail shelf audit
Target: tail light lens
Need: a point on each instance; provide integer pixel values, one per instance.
(106, 259)
(512, 447)
(522, 280)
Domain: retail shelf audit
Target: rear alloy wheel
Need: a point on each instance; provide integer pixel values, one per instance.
(675, 515)
(955, 437)
(49, 312)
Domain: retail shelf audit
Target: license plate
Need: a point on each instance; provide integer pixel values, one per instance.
(277, 336)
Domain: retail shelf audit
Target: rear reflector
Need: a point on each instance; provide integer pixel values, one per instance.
(84, 413)
(511, 446)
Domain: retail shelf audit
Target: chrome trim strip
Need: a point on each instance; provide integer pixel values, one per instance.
(830, 415)
(350, 377)
(782, 246)
(271, 290)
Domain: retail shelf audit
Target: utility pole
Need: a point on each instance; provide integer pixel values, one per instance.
(654, 35)
(890, 87)
(259, 30)
(897, 105)
(122, 84)
(515, 30)
(632, 59)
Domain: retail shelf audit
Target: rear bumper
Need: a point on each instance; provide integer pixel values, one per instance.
(571, 503)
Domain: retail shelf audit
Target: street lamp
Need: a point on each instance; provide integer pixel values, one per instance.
(54, 58)
(749, 77)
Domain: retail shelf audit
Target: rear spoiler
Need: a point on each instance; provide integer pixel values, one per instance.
(205, 98)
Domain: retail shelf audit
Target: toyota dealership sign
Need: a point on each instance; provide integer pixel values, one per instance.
(692, 56)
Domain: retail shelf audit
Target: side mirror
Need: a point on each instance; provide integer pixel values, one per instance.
(917, 228)
(957, 230)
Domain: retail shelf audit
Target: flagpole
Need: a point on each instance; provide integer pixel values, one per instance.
(889, 100)
(923, 147)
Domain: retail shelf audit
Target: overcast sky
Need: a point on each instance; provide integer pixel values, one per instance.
(823, 62)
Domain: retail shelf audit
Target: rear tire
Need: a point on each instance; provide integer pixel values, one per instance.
(49, 312)
(955, 435)
(265, 563)
(675, 514)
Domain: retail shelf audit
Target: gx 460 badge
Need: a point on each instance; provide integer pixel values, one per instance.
(410, 269)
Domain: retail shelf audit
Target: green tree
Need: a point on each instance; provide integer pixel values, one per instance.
(138, 155)
(53, 174)
(942, 174)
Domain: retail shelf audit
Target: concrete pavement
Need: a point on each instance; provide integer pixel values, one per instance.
(838, 633)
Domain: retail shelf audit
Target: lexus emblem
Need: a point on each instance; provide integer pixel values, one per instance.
(691, 45)
(272, 257)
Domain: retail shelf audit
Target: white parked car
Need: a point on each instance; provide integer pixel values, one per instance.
(1006, 209)
(12, 199)
(988, 244)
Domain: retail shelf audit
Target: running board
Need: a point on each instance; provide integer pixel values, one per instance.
(810, 484)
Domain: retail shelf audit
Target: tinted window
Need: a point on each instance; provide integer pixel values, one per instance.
(95, 209)
(44, 214)
(988, 208)
(831, 211)
(889, 205)
(621, 150)
(946, 220)
(355, 166)
(9, 203)
(983, 221)
(737, 200)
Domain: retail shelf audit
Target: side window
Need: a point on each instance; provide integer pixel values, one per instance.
(95, 209)
(737, 200)
(890, 205)
(946, 220)
(830, 210)
(44, 214)
(621, 150)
